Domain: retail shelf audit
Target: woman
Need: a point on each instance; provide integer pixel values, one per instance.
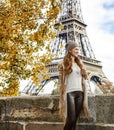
(72, 88)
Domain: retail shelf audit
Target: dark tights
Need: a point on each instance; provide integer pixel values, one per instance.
(74, 106)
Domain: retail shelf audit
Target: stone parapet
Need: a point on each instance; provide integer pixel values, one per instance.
(30, 108)
(42, 113)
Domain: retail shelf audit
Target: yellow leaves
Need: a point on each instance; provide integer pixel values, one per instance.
(32, 38)
(7, 3)
(48, 48)
(45, 76)
(56, 10)
(12, 90)
(43, 58)
(35, 79)
(59, 26)
(41, 67)
(37, 36)
(52, 13)
(19, 51)
(61, 45)
(3, 66)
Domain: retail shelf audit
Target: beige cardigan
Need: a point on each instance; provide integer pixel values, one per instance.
(63, 101)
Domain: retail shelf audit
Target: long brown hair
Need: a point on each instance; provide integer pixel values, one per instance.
(67, 62)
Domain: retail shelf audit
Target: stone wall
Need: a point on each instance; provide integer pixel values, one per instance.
(42, 113)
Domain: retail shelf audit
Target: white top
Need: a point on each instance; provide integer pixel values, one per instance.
(74, 80)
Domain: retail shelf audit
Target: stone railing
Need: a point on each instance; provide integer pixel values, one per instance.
(42, 113)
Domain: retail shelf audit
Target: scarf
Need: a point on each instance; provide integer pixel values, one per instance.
(63, 98)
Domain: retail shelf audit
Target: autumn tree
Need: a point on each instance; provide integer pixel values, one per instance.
(26, 28)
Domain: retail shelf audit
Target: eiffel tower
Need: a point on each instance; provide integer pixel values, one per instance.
(74, 29)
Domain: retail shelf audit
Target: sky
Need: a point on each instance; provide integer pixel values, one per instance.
(99, 17)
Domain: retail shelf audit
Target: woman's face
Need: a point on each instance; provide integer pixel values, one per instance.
(75, 51)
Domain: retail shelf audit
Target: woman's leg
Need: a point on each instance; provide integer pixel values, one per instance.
(74, 106)
(79, 97)
(70, 111)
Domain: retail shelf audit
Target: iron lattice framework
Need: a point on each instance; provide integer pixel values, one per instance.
(74, 29)
(71, 8)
